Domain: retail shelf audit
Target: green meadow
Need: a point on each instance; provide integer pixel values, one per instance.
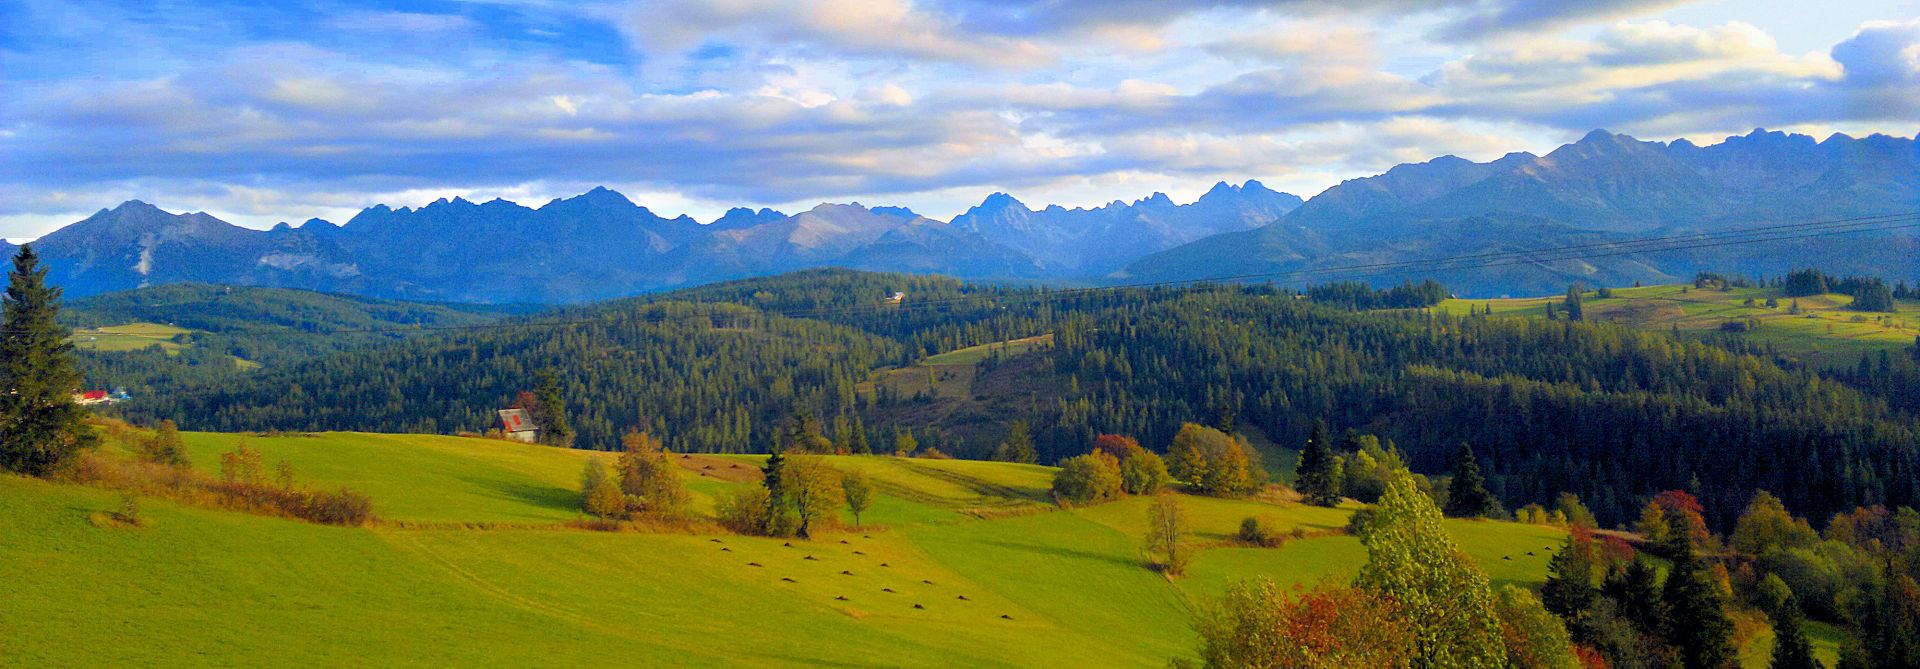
(1824, 332)
(129, 337)
(472, 563)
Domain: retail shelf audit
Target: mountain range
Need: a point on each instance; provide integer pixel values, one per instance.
(1603, 188)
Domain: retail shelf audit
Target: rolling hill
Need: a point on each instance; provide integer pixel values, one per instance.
(178, 336)
(1819, 330)
(726, 368)
(473, 564)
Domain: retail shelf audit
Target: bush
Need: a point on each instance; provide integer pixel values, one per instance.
(1142, 472)
(340, 507)
(1329, 627)
(1089, 478)
(743, 510)
(1257, 532)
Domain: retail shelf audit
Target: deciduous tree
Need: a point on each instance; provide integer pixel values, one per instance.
(858, 491)
(1086, 479)
(1413, 561)
(1166, 528)
(1260, 626)
(1142, 472)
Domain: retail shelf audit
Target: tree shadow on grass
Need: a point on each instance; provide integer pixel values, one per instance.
(1066, 552)
(544, 496)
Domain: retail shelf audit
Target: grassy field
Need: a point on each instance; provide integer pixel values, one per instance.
(1824, 333)
(974, 354)
(483, 571)
(129, 337)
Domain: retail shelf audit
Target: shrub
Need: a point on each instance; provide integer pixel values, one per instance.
(743, 510)
(649, 478)
(1257, 532)
(1142, 472)
(165, 446)
(1328, 627)
(1086, 479)
(340, 507)
(599, 495)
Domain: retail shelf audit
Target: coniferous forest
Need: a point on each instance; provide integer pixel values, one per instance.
(1606, 412)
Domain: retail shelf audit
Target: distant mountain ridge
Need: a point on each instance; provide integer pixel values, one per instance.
(601, 245)
(1604, 187)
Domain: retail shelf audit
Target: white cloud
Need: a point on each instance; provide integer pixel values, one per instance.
(929, 103)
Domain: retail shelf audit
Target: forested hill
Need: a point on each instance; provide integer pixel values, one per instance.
(162, 338)
(1608, 412)
(217, 308)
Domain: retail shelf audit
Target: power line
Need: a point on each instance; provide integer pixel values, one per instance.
(1660, 244)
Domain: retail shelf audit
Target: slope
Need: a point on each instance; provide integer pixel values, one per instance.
(456, 593)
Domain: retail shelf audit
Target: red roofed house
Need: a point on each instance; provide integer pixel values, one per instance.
(518, 425)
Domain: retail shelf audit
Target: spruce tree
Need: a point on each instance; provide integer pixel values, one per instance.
(1569, 590)
(1696, 620)
(1317, 477)
(859, 444)
(1791, 648)
(1574, 310)
(1467, 495)
(41, 429)
(551, 411)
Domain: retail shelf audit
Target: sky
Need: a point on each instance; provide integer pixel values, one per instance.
(264, 112)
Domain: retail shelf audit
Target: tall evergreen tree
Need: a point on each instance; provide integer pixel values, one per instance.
(859, 445)
(551, 411)
(1467, 495)
(1318, 476)
(1575, 312)
(1791, 648)
(1569, 590)
(1696, 620)
(41, 429)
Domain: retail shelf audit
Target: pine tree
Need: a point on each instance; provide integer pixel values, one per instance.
(1467, 495)
(41, 429)
(1318, 477)
(1574, 310)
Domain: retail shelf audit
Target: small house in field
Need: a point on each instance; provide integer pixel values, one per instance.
(92, 397)
(518, 425)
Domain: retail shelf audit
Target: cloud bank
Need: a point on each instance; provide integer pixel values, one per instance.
(263, 113)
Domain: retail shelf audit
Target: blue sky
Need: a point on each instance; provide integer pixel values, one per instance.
(262, 112)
